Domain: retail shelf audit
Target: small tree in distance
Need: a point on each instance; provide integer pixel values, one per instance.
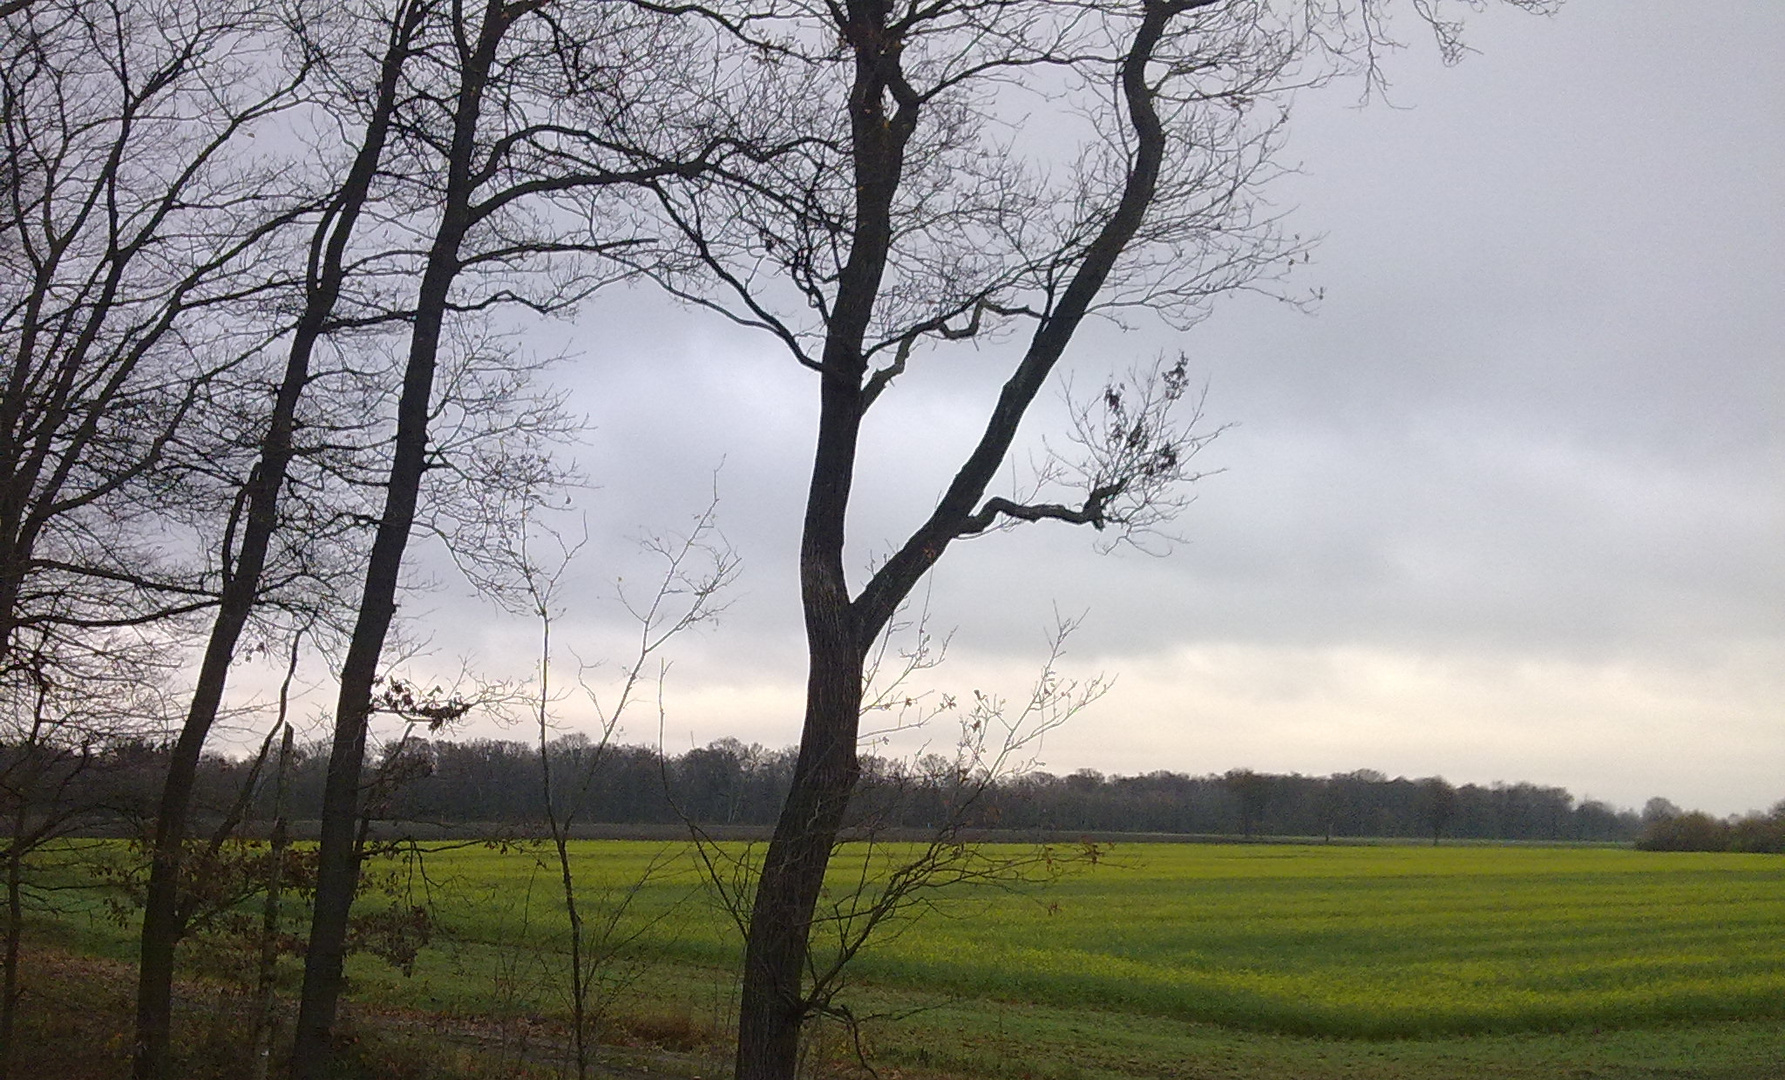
(1252, 790)
(1438, 803)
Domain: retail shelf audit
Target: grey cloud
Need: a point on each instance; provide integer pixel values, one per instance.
(1537, 414)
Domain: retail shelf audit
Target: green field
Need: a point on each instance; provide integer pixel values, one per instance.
(1196, 960)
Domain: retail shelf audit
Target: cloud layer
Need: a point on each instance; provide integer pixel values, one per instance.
(1509, 505)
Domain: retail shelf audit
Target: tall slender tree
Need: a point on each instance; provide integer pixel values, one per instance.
(985, 172)
(140, 223)
(521, 128)
(244, 565)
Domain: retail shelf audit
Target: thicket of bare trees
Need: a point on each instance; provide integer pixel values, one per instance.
(256, 516)
(261, 264)
(523, 132)
(140, 247)
(255, 262)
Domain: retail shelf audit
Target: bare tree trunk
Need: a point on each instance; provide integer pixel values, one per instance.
(20, 842)
(773, 1006)
(337, 875)
(560, 829)
(883, 113)
(579, 991)
(559, 825)
(659, 621)
(264, 1019)
(161, 928)
(9, 984)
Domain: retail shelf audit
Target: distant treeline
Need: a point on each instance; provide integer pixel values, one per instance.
(1668, 828)
(730, 783)
(496, 782)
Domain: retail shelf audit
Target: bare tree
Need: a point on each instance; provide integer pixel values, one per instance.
(518, 125)
(924, 213)
(696, 568)
(139, 240)
(244, 565)
(134, 242)
(71, 730)
(889, 880)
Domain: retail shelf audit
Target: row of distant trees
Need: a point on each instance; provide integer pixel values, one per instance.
(494, 782)
(1665, 827)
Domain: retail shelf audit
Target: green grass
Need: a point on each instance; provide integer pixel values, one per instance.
(1379, 942)
(1195, 960)
(1373, 942)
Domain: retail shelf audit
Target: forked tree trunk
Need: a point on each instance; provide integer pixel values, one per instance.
(772, 1009)
(839, 628)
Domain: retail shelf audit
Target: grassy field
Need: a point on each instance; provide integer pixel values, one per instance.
(1184, 960)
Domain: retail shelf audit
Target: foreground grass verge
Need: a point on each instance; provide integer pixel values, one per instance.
(77, 1028)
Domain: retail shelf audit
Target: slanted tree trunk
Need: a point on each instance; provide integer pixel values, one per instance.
(337, 876)
(773, 1008)
(161, 929)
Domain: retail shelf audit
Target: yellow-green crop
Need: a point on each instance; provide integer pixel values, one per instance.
(1358, 941)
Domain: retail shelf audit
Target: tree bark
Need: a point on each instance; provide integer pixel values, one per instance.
(839, 629)
(161, 928)
(773, 1009)
(337, 876)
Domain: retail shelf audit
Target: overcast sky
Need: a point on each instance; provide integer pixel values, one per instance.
(1508, 506)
